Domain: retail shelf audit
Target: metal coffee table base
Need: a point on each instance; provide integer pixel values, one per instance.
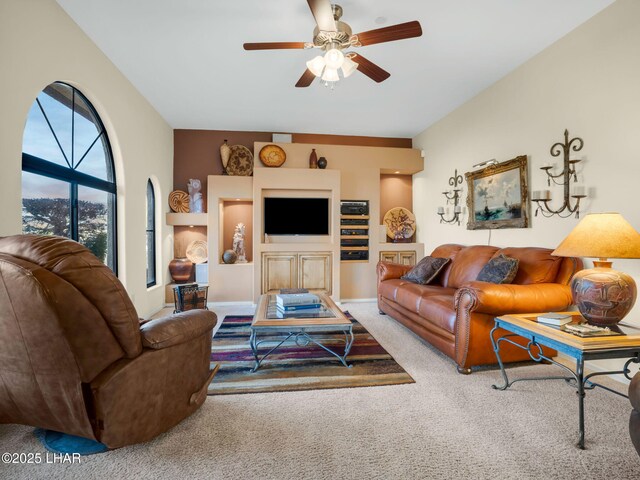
(576, 379)
(302, 338)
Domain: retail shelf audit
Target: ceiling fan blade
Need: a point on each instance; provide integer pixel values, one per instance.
(323, 13)
(306, 79)
(389, 34)
(370, 69)
(273, 45)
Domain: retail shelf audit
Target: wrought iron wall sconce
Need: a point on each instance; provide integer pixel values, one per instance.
(564, 178)
(453, 198)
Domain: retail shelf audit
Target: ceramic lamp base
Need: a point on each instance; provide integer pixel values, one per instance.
(603, 295)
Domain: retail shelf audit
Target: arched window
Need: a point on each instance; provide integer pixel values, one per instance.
(68, 180)
(151, 235)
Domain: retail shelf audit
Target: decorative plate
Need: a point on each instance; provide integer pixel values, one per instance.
(272, 155)
(400, 221)
(240, 161)
(197, 251)
(179, 201)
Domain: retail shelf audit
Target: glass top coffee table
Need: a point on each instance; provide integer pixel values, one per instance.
(300, 326)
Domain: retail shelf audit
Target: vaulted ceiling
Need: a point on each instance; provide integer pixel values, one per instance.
(186, 58)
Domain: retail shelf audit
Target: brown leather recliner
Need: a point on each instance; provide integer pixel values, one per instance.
(74, 357)
(634, 420)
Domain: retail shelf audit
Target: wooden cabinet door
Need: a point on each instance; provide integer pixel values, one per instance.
(389, 257)
(407, 257)
(314, 271)
(279, 270)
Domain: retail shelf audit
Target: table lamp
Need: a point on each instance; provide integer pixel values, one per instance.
(603, 295)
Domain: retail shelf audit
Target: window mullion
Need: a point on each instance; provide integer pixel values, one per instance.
(73, 126)
(74, 211)
(53, 133)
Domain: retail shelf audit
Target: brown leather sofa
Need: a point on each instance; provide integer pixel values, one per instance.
(634, 420)
(74, 357)
(457, 313)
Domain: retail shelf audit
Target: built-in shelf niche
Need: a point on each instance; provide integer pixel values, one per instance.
(232, 212)
(396, 190)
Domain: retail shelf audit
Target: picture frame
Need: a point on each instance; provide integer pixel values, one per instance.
(498, 196)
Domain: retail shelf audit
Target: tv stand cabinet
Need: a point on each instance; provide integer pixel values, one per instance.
(310, 270)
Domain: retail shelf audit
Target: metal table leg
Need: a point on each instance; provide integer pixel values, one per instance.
(580, 393)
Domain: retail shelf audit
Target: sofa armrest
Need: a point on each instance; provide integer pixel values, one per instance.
(177, 328)
(388, 270)
(500, 299)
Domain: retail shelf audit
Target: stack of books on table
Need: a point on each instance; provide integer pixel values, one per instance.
(554, 318)
(290, 304)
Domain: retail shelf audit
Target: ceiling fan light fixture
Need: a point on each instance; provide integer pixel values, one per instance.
(316, 65)
(330, 75)
(334, 58)
(348, 67)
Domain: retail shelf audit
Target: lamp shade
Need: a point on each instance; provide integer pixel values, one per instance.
(334, 58)
(348, 67)
(601, 235)
(316, 65)
(330, 75)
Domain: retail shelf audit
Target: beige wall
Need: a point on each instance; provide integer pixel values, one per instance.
(587, 82)
(40, 44)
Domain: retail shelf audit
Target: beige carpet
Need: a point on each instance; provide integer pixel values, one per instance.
(445, 426)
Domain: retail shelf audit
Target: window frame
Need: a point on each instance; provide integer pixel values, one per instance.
(74, 178)
(151, 221)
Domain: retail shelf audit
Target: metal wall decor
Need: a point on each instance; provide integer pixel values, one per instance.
(498, 196)
(564, 178)
(453, 198)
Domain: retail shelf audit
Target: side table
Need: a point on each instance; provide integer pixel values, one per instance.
(580, 348)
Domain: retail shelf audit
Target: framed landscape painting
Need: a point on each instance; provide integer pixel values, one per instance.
(498, 196)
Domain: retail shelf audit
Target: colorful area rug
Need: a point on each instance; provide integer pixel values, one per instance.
(294, 367)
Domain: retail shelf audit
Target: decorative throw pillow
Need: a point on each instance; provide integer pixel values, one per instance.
(426, 270)
(500, 269)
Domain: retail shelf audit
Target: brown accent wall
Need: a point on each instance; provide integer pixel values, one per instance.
(234, 213)
(197, 153)
(314, 138)
(395, 191)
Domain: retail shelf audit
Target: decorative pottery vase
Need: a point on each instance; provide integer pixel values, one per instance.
(313, 159)
(225, 153)
(322, 163)
(180, 269)
(603, 295)
(229, 256)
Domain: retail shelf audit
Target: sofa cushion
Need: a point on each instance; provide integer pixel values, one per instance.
(408, 294)
(500, 269)
(536, 265)
(426, 270)
(448, 250)
(440, 311)
(467, 264)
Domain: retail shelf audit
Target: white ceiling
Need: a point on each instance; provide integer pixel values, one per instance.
(186, 58)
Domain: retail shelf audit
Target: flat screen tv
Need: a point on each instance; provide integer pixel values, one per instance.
(296, 216)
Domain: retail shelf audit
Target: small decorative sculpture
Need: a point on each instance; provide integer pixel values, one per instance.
(238, 243)
(225, 153)
(195, 197)
(313, 159)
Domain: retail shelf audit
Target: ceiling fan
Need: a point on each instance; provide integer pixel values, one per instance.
(333, 36)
